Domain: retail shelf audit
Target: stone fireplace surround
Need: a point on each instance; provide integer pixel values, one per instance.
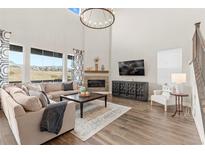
(97, 76)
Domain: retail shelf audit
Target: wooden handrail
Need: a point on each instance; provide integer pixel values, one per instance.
(197, 61)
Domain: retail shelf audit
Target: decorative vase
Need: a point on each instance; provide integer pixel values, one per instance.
(96, 60)
(102, 67)
(96, 67)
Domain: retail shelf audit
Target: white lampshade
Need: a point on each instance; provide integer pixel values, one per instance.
(178, 78)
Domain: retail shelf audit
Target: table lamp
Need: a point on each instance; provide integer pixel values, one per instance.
(177, 79)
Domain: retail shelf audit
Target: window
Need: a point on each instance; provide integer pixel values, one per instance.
(70, 65)
(168, 62)
(46, 66)
(75, 10)
(15, 63)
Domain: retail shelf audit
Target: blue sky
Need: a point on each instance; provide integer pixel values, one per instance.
(74, 10)
(17, 57)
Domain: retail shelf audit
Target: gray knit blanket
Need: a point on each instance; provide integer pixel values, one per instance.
(52, 119)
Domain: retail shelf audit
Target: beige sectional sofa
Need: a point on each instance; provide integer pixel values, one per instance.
(54, 90)
(25, 125)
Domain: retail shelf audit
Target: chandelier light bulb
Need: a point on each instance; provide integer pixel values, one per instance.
(97, 18)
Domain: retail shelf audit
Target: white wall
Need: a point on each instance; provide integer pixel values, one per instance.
(140, 33)
(97, 44)
(51, 29)
(168, 61)
(56, 30)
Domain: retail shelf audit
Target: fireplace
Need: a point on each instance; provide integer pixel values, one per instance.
(96, 83)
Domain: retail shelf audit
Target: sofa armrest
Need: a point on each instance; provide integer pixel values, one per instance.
(10, 107)
(157, 92)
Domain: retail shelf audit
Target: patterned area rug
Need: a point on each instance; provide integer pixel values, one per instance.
(96, 117)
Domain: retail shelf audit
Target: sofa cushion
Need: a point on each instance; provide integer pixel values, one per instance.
(29, 103)
(42, 97)
(70, 92)
(51, 87)
(42, 86)
(49, 96)
(13, 89)
(36, 87)
(52, 101)
(12, 85)
(56, 94)
(24, 88)
(68, 86)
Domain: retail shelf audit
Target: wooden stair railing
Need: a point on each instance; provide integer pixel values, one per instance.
(199, 67)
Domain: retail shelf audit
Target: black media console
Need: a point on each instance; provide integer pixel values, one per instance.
(131, 89)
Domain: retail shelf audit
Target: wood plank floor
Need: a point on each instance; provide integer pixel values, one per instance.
(142, 124)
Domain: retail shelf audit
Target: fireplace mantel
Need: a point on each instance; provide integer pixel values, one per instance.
(93, 71)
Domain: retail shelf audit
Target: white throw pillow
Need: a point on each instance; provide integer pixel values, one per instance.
(36, 87)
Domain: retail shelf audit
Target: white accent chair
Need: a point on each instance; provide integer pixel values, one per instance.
(162, 96)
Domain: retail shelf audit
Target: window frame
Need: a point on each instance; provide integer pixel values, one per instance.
(70, 57)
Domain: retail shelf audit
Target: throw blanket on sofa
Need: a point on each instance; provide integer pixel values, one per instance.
(52, 119)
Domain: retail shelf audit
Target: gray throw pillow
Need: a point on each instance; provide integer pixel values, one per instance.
(42, 97)
(68, 86)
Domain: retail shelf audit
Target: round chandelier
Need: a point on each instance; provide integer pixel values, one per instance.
(97, 18)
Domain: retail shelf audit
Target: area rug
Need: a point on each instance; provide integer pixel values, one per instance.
(96, 117)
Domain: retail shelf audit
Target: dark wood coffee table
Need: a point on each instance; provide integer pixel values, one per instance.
(81, 100)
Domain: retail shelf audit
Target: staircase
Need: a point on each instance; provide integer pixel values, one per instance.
(198, 63)
(200, 85)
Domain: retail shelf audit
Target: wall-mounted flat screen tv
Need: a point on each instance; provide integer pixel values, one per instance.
(133, 67)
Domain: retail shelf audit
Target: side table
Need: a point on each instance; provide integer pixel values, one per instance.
(179, 102)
